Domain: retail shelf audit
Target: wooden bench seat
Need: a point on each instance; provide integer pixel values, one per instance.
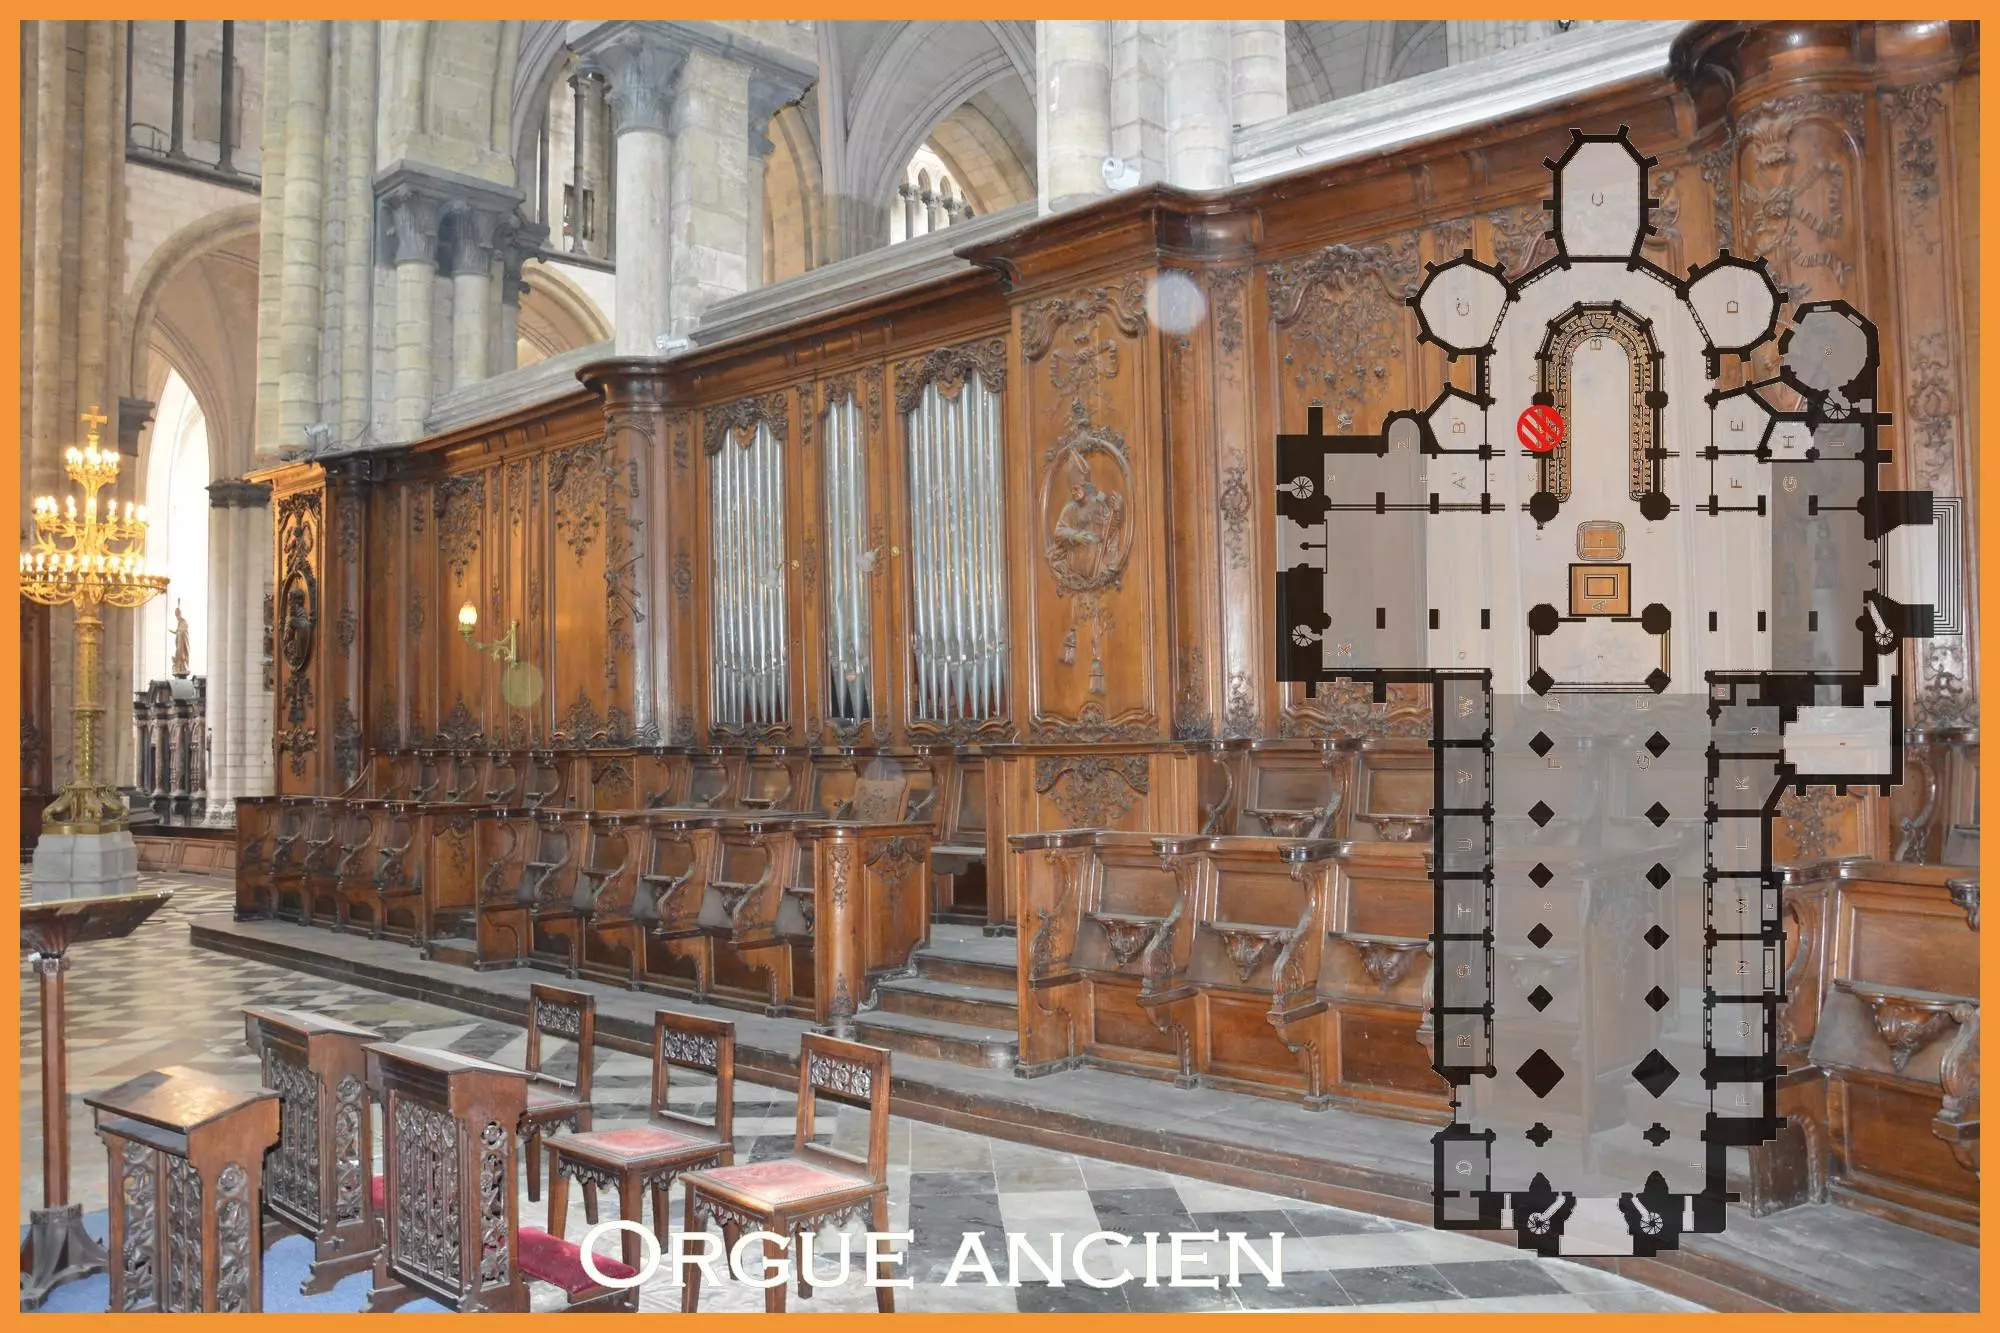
(1283, 967)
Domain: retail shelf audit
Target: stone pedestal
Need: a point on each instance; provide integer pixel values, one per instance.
(85, 865)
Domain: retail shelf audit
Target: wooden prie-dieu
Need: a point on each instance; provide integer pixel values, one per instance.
(317, 1177)
(186, 1165)
(1007, 535)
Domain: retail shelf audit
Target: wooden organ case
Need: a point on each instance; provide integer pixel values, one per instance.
(1010, 532)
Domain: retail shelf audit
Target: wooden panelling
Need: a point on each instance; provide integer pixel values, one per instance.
(1145, 352)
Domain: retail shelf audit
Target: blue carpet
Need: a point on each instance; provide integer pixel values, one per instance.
(285, 1265)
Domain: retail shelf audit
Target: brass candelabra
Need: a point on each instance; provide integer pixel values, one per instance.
(88, 555)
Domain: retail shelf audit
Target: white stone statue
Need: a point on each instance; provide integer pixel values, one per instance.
(180, 643)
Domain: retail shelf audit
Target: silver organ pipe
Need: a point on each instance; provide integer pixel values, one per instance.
(746, 510)
(958, 584)
(847, 606)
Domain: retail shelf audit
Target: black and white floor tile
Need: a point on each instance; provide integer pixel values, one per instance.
(153, 1000)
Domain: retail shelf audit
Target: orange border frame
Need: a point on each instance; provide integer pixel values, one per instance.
(10, 649)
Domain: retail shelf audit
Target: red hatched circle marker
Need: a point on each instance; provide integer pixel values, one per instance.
(1540, 429)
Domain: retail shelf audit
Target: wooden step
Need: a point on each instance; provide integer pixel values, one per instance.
(953, 1001)
(967, 969)
(968, 956)
(465, 953)
(935, 1039)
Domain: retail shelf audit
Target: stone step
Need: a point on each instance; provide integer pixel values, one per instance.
(954, 1002)
(935, 1039)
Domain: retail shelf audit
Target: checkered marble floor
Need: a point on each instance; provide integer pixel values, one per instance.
(153, 999)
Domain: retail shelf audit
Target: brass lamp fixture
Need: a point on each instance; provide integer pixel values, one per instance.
(505, 649)
(88, 555)
(520, 682)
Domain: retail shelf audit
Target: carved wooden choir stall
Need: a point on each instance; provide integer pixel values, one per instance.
(953, 602)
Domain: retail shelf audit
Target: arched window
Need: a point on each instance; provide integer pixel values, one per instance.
(175, 490)
(927, 199)
(570, 189)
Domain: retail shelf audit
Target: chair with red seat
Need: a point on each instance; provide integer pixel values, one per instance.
(557, 1102)
(817, 1186)
(647, 1159)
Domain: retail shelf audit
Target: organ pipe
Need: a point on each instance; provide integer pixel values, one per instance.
(749, 649)
(957, 588)
(848, 558)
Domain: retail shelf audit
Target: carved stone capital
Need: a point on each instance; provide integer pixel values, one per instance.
(238, 494)
(470, 240)
(642, 69)
(413, 218)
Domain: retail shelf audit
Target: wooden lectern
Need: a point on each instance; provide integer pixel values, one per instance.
(317, 1178)
(449, 1216)
(186, 1164)
(58, 1249)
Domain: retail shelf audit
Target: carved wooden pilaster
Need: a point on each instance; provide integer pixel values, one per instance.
(648, 506)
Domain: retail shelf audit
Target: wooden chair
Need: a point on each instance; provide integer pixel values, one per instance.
(554, 1101)
(650, 1157)
(816, 1186)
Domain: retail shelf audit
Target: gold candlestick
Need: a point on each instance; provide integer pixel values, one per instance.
(88, 556)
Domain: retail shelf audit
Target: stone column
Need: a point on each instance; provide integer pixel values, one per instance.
(707, 188)
(588, 169)
(239, 713)
(102, 154)
(1199, 124)
(358, 279)
(300, 288)
(641, 70)
(270, 239)
(471, 267)
(413, 233)
(1257, 72)
(1138, 98)
(49, 428)
(1073, 111)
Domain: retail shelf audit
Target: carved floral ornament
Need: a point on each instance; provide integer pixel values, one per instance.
(1341, 310)
(1093, 790)
(460, 506)
(1794, 202)
(738, 422)
(949, 368)
(580, 483)
(857, 387)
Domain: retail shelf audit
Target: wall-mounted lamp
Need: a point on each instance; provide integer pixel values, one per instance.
(502, 650)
